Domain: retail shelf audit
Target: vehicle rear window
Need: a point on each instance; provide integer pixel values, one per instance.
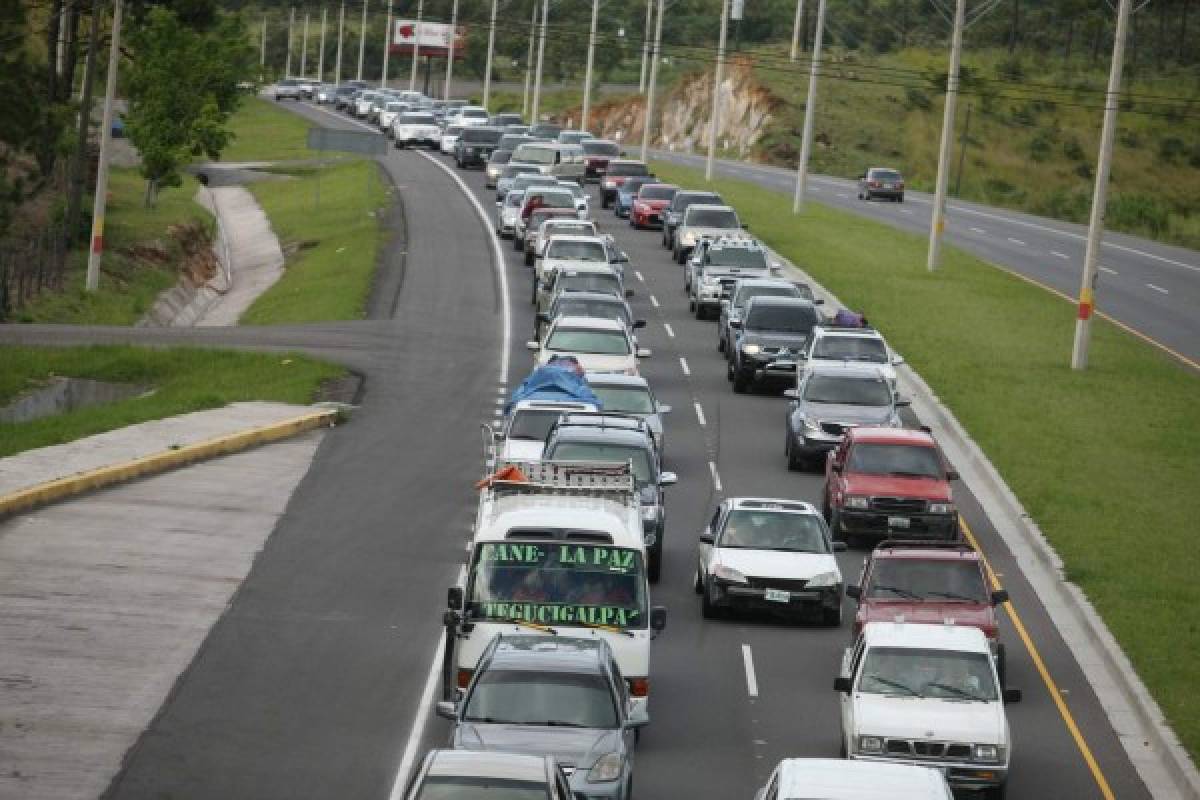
(577, 250)
(895, 459)
(632, 168)
(657, 192)
(712, 218)
(884, 175)
(454, 787)
(474, 113)
(481, 135)
(601, 148)
(615, 453)
(851, 348)
(625, 399)
(554, 199)
(513, 170)
(534, 154)
(684, 199)
(511, 141)
(416, 119)
(847, 391)
(764, 291)
(926, 579)
(454, 130)
(592, 282)
(789, 318)
(501, 156)
(737, 257)
(573, 340)
(593, 307)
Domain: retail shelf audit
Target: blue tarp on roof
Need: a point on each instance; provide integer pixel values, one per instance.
(553, 383)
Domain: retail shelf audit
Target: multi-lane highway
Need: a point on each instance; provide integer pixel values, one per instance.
(1152, 288)
(310, 684)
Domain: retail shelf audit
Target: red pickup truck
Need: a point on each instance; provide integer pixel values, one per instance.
(889, 482)
(930, 582)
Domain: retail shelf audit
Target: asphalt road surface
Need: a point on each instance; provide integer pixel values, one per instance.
(309, 685)
(1152, 288)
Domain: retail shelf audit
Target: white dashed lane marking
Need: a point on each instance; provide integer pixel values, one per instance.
(1159, 289)
(980, 231)
(699, 413)
(639, 276)
(654, 301)
(716, 478)
(683, 365)
(670, 331)
(1057, 254)
(748, 663)
(1109, 271)
(1016, 241)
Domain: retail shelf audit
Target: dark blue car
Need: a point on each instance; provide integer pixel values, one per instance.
(626, 193)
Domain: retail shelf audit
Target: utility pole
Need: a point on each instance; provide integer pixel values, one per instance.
(412, 79)
(646, 46)
(796, 28)
(450, 51)
(362, 41)
(714, 118)
(78, 162)
(1087, 288)
(962, 152)
(337, 65)
(304, 49)
(321, 51)
(654, 49)
(110, 91)
(537, 78)
(529, 61)
(262, 52)
(387, 46)
(287, 69)
(487, 73)
(810, 112)
(587, 75)
(938, 226)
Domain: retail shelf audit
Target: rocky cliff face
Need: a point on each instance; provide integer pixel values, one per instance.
(683, 114)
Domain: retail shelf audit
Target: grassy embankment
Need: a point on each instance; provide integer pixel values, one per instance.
(183, 380)
(1034, 151)
(1106, 461)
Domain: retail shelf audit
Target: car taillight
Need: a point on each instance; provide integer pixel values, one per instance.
(899, 184)
(464, 678)
(639, 687)
(873, 184)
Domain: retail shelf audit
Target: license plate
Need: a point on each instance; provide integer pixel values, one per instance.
(777, 595)
(889, 186)
(898, 522)
(783, 364)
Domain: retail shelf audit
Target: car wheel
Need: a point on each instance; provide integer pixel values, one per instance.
(533, 293)
(997, 792)
(528, 259)
(691, 304)
(680, 256)
(842, 747)
(720, 344)
(518, 245)
(654, 568)
(708, 609)
(832, 617)
(794, 462)
(1002, 666)
(900, 199)
(604, 203)
(835, 526)
(697, 583)
(741, 382)
(729, 369)
(700, 312)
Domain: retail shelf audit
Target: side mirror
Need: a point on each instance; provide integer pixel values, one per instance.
(836, 466)
(842, 685)
(839, 547)
(667, 479)
(534, 346)
(1012, 695)
(628, 293)
(639, 323)
(663, 408)
(658, 618)
(543, 316)
(818, 302)
(776, 266)
(638, 718)
(999, 596)
(903, 402)
(735, 323)
(644, 352)
(745, 226)
(793, 394)
(446, 709)
(454, 598)
(952, 475)
(622, 258)
(707, 538)
(853, 592)
(897, 360)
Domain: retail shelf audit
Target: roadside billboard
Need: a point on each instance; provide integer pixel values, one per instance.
(434, 38)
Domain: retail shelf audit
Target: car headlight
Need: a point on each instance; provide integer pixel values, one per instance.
(857, 501)
(728, 574)
(751, 349)
(987, 752)
(812, 425)
(649, 513)
(688, 239)
(710, 283)
(606, 768)
(870, 744)
(942, 508)
(824, 579)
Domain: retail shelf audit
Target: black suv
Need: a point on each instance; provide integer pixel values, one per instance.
(619, 438)
(679, 204)
(771, 339)
(475, 145)
(746, 288)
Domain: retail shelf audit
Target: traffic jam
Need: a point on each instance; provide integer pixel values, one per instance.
(552, 627)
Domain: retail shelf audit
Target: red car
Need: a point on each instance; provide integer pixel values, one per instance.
(937, 583)
(652, 199)
(888, 482)
(615, 175)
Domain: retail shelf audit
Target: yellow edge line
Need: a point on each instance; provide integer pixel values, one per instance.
(62, 488)
(1051, 686)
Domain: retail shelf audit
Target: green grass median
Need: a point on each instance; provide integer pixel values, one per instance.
(1107, 461)
(181, 380)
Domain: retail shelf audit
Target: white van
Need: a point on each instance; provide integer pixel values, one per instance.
(558, 549)
(562, 161)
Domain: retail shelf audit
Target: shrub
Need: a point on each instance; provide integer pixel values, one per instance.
(1023, 115)
(1085, 171)
(1171, 149)
(1073, 150)
(917, 99)
(1129, 138)
(1040, 146)
(1138, 213)
(1010, 69)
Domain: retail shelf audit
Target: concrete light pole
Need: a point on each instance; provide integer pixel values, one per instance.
(714, 118)
(96, 253)
(810, 112)
(450, 51)
(938, 223)
(412, 78)
(587, 76)
(646, 46)
(304, 49)
(487, 72)
(321, 51)
(1087, 288)
(654, 51)
(337, 66)
(541, 56)
(796, 28)
(287, 68)
(529, 61)
(387, 46)
(262, 51)
(362, 40)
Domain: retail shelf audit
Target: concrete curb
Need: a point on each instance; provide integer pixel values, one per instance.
(1152, 746)
(63, 488)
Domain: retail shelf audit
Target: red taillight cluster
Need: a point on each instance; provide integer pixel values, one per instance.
(639, 687)
(464, 678)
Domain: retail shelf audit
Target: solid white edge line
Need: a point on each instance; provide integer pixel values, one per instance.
(670, 331)
(748, 663)
(683, 365)
(978, 230)
(699, 413)
(1157, 288)
(1109, 270)
(1057, 254)
(716, 479)
(1016, 241)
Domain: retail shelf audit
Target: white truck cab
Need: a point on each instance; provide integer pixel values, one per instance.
(834, 779)
(927, 695)
(558, 549)
(523, 436)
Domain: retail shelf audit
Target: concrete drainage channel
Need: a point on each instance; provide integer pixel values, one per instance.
(1161, 761)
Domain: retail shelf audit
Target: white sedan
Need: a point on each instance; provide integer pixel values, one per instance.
(599, 345)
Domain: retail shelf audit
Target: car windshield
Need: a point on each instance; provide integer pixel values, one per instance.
(577, 250)
(945, 674)
(557, 583)
(454, 130)
(591, 282)
(397, 107)
(520, 697)
(884, 175)
(533, 423)
(481, 136)
(939, 580)
(532, 178)
(895, 459)
(634, 185)
(601, 148)
(534, 154)
(513, 170)
(783, 318)
(568, 306)
(455, 787)
(555, 199)
(847, 391)
(625, 399)
(578, 340)
(763, 291)
(851, 348)
(474, 113)
(754, 529)
(500, 156)
(712, 218)
(574, 188)
(657, 192)
(568, 227)
(628, 169)
(416, 119)
(737, 257)
(512, 141)
(614, 453)
(682, 200)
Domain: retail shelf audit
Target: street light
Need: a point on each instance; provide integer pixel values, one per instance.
(541, 56)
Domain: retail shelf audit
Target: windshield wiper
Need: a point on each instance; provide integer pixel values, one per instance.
(485, 720)
(955, 690)
(523, 623)
(895, 684)
(906, 474)
(955, 596)
(897, 590)
(606, 628)
(558, 723)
